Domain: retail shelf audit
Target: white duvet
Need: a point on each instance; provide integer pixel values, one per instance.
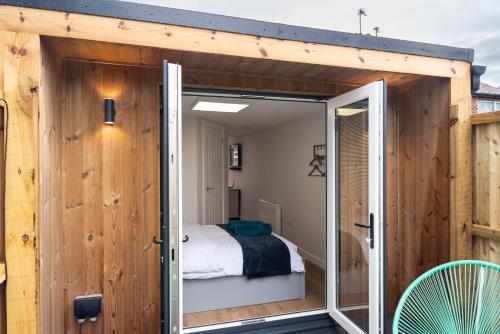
(212, 252)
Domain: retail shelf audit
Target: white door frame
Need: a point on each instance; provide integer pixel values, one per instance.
(374, 92)
(225, 212)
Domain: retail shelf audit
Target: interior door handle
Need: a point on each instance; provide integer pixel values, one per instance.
(209, 188)
(372, 217)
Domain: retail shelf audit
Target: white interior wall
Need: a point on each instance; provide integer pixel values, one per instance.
(192, 177)
(275, 168)
(191, 174)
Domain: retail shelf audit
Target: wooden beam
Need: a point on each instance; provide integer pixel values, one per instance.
(486, 232)
(19, 84)
(54, 23)
(249, 82)
(487, 117)
(460, 168)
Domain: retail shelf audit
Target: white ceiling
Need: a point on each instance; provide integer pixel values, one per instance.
(259, 115)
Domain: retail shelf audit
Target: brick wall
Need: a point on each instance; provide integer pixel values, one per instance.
(474, 105)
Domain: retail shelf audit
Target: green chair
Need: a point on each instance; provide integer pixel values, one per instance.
(458, 297)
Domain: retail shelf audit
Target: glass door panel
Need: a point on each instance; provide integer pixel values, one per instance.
(352, 212)
(355, 208)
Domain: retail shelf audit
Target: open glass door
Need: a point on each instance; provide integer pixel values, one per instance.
(355, 184)
(171, 196)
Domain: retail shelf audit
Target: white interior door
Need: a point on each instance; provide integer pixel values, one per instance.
(355, 136)
(214, 173)
(171, 199)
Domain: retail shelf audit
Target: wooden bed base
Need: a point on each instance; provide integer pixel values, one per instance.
(235, 291)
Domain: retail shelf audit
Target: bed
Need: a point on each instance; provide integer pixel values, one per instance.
(213, 277)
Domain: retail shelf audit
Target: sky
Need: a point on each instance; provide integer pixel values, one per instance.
(463, 23)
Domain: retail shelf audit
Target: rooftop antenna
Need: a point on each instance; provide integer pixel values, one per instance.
(361, 12)
(377, 31)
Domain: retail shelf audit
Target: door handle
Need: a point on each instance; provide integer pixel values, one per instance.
(157, 241)
(209, 188)
(372, 217)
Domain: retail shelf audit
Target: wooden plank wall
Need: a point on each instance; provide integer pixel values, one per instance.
(51, 236)
(19, 84)
(418, 207)
(102, 195)
(392, 205)
(486, 195)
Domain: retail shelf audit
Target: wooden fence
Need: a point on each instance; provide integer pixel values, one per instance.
(486, 190)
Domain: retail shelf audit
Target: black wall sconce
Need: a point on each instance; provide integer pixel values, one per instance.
(109, 111)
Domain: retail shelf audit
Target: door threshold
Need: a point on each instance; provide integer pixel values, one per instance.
(259, 322)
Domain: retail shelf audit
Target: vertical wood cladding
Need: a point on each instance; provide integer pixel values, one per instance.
(110, 195)
(418, 197)
(108, 191)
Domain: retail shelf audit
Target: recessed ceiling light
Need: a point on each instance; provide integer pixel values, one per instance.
(219, 106)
